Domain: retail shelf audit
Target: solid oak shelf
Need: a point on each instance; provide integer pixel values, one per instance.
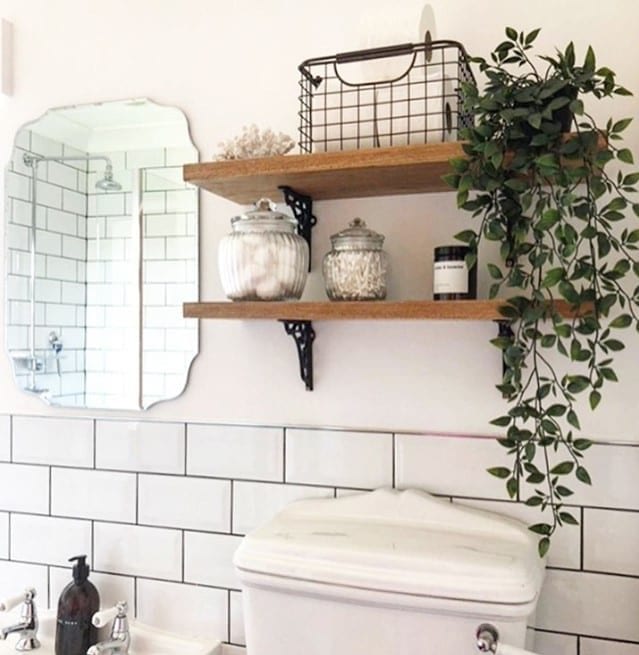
(457, 310)
(328, 175)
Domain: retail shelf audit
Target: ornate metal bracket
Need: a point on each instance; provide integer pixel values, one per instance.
(504, 330)
(303, 334)
(302, 208)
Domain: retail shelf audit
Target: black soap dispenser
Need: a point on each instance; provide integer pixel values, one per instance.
(79, 601)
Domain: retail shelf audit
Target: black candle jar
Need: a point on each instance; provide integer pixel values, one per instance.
(451, 278)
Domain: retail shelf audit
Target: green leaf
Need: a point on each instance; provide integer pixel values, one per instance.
(552, 277)
(540, 528)
(621, 125)
(495, 272)
(622, 321)
(568, 518)
(563, 491)
(499, 472)
(595, 398)
(531, 36)
(534, 501)
(556, 410)
(578, 383)
(543, 546)
(452, 179)
(625, 155)
(466, 236)
(512, 487)
(549, 218)
(582, 444)
(511, 33)
(614, 345)
(562, 469)
(501, 421)
(583, 475)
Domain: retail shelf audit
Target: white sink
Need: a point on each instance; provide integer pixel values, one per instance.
(145, 640)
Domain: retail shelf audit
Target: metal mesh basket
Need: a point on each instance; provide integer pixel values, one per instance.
(396, 95)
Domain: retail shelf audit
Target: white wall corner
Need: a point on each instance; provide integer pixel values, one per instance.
(6, 57)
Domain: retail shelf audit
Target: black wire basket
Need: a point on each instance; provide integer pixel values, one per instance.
(395, 95)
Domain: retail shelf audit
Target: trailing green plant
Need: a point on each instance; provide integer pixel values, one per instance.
(568, 268)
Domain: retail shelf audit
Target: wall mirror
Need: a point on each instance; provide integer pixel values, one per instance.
(101, 245)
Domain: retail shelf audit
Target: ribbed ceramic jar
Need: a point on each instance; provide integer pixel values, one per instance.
(263, 258)
(356, 267)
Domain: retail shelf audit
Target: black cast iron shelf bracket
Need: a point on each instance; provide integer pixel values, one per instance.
(302, 207)
(303, 335)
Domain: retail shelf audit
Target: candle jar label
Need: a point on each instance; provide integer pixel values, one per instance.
(450, 277)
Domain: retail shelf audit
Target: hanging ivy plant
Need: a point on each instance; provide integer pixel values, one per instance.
(562, 222)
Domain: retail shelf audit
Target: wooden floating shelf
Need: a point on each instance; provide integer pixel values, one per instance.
(458, 310)
(329, 175)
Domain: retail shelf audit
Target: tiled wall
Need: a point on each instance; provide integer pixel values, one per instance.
(160, 507)
(60, 264)
(169, 278)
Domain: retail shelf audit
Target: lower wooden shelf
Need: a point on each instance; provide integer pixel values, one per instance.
(449, 310)
(298, 317)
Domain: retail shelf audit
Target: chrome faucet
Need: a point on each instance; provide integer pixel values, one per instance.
(28, 626)
(120, 640)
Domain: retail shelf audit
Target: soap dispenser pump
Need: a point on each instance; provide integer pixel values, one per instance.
(79, 601)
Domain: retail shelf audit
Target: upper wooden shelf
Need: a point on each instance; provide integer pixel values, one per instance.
(469, 310)
(328, 175)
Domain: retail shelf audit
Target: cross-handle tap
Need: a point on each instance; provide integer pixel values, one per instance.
(120, 640)
(28, 626)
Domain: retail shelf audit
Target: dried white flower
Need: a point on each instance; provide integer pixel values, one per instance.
(255, 143)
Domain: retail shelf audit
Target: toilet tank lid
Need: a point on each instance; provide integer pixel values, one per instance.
(404, 542)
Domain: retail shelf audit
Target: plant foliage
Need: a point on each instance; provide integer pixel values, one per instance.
(561, 221)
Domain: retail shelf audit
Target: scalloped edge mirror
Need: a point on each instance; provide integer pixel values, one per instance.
(101, 245)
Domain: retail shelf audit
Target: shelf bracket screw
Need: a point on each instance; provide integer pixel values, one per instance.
(302, 207)
(304, 335)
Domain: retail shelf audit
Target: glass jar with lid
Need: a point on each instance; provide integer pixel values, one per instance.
(263, 258)
(356, 267)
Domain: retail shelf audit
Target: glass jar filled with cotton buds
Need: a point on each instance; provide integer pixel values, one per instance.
(263, 258)
(356, 268)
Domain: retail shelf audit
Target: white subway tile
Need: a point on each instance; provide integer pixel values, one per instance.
(74, 247)
(145, 446)
(589, 603)
(140, 551)
(73, 293)
(54, 441)
(48, 540)
(49, 195)
(60, 315)
(49, 290)
(60, 268)
(5, 438)
(18, 288)
(202, 612)
(101, 495)
(419, 461)
(161, 225)
(63, 175)
(45, 146)
(106, 204)
(74, 202)
(604, 647)
(550, 643)
(181, 248)
(17, 186)
(163, 179)
(208, 559)
(153, 202)
(235, 452)
(236, 610)
(118, 227)
(607, 535)
(112, 588)
(613, 470)
(254, 503)
(565, 545)
(164, 271)
(349, 459)
(18, 237)
(182, 502)
(49, 243)
(4, 535)
(181, 201)
(60, 221)
(24, 488)
(16, 576)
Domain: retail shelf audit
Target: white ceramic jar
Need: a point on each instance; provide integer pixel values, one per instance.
(356, 267)
(263, 258)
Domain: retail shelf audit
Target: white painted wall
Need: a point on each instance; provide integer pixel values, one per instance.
(231, 64)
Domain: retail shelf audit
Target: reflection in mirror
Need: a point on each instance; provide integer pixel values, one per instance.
(101, 244)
